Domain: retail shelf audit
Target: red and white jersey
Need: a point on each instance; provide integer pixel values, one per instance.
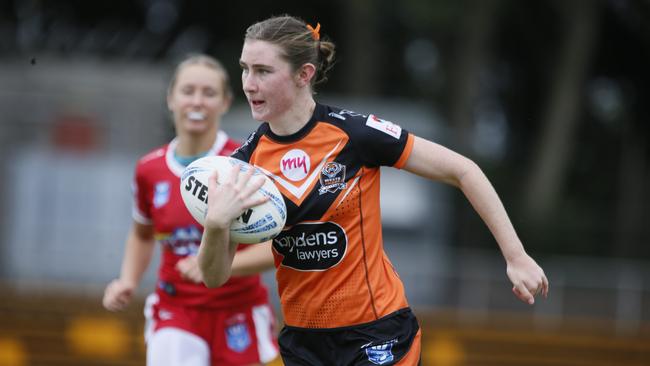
(331, 267)
(158, 202)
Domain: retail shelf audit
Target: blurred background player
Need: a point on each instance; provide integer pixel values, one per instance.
(342, 301)
(187, 323)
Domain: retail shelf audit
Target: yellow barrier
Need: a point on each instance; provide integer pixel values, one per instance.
(98, 336)
(12, 352)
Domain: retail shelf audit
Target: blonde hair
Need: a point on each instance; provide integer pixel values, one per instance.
(204, 60)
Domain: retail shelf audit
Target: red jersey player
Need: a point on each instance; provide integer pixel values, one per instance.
(187, 323)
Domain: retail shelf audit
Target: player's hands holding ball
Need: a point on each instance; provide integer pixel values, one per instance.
(222, 192)
(236, 204)
(527, 277)
(229, 199)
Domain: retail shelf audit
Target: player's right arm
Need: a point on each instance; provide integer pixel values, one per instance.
(138, 251)
(226, 202)
(438, 163)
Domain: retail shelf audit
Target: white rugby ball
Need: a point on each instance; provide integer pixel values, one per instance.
(255, 225)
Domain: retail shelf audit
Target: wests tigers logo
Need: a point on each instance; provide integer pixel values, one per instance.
(332, 178)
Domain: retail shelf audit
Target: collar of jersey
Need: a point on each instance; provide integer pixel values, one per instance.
(320, 112)
(176, 167)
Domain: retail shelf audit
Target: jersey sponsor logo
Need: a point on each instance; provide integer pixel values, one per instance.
(299, 191)
(381, 353)
(295, 165)
(238, 337)
(161, 194)
(384, 126)
(332, 178)
(312, 246)
(183, 241)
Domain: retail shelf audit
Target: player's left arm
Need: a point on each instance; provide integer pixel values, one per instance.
(255, 259)
(435, 162)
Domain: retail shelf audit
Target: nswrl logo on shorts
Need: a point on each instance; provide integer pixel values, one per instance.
(237, 337)
(381, 353)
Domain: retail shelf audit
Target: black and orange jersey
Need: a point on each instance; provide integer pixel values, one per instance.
(332, 270)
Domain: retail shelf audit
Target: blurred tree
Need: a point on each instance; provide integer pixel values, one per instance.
(561, 114)
(362, 47)
(634, 175)
(470, 55)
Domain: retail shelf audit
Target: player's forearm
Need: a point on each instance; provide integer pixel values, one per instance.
(215, 256)
(438, 163)
(255, 259)
(137, 256)
(481, 194)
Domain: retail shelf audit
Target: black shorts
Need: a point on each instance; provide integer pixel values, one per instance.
(381, 342)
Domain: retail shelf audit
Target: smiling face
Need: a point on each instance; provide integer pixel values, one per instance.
(270, 85)
(197, 99)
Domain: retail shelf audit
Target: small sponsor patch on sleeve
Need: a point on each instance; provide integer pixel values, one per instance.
(384, 126)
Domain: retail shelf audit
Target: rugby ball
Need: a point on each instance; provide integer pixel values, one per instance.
(255, 225)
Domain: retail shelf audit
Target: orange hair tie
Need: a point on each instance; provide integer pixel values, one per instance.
(314, 31)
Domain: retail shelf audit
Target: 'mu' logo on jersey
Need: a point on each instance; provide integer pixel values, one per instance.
(291, 164)
(295, 165)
